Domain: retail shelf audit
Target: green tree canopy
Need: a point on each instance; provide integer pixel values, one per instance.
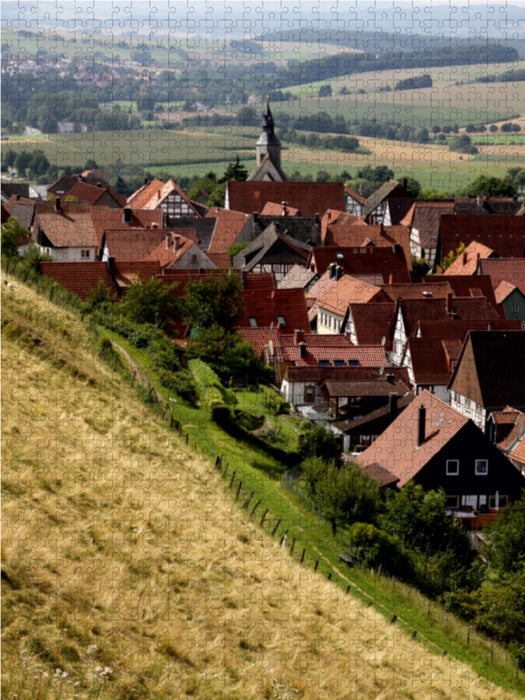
(151, 301)
(215, 300)
(506, 551)
(488, 186)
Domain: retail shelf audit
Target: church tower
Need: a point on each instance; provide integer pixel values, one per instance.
(268, 151)
(268, 143)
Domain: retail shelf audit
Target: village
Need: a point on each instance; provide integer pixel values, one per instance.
(421, 376)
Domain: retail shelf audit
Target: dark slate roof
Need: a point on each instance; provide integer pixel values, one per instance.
(272, 242)
(303, 228)
(399, 208)
(67, 182)
(381, 412)
(499, 366)
(506, 206)
(14, 188)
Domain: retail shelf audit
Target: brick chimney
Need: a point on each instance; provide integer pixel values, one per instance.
(449, 303)
(168, 240)
(57, 204)
(298, 336)
(176, 242)
(128, 215)
(392, 406)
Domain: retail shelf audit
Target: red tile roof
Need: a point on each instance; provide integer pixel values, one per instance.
(81, 278)
(467, 262)
(309, 198)
(425, 217)
(68, 227)
(84, 192)
(431, 361)
(228, 227)
(396, 448)
(349, 290)
(456, 329)
(132, 243)
(143, 195)
(107, 218)
(129, 271)
(319, 375)
(503, 234)
(373, 322)
(267, 306)
(509, 269)
(359, 262)
(274, 209)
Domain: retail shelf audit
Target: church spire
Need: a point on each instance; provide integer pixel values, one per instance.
(268, 143)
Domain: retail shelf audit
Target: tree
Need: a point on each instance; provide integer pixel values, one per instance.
(216, 300)
(489, 186)
(463, 144)
(231, 357)
(325, 91)
(151, 302)
(234, 171)
(247, 116)
(452, 255)
(506, 549)
(317, 441)
(343, 494)
(12, 236)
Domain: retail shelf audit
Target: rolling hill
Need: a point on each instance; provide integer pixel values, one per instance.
(128, 571)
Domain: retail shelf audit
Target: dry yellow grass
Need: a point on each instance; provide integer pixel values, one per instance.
(129, 571)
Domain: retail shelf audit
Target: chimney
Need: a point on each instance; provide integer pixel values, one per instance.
(338, 272)
(391, 278)
(168, 240)
(128, 215)
(298, 336)
(176, 241)
(421, 418)
(145, 180)
(244, 278)
(154, 225)
(390, 378)
(302, 349)
(329, 214)
(381, 229)
(284, 205)
(449, 302)
(464, 257)
(57, 204)
(392, 406)
(331, 269)
(111, 265)
(405, 182)
(317, 218)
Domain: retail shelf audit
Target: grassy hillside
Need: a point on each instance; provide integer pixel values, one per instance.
(128, 571)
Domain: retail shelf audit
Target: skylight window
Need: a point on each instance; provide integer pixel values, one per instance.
(253, 321)
(281, 321)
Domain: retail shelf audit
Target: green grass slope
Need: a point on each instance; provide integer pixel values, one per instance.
(128, 571)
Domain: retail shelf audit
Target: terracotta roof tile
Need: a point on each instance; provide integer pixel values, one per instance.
(68, 228)
(309, 198)
(274, 209)
(509, 269)
(396, 448)
(349, 290)
(373, 322)
(81, 278)
(267, 307)
(84, 192)
(361, 262)
(467, 262)
(107, 218)
(503, 234)
(228, 227)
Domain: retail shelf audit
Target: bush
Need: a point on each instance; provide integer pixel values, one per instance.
(377, 549)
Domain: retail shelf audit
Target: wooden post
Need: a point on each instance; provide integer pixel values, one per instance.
(330, 576)
(316, 565)
(255, 507)
(264, 516)
(293, 545)
(247, 503)
(348, 589)
(302, 555)
(276, 526)
(238, 490)
(233, 477)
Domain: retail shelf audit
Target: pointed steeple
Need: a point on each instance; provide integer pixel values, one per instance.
(268, 143)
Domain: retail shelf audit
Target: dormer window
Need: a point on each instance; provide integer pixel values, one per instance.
(353, 363)
(324, 363)
(253, 321)
(281, 321)
(339, 363)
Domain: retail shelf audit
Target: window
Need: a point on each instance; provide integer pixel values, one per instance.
(353, 363)
(498, 501)
(84, 253)
(481, 467)
(324, 363)
(253, 321)
(452, 467)
(452, 501)
(281, 321)
(339, 363)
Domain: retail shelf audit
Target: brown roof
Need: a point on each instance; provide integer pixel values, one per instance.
(267, 306)
(456, 329)
(333, 217)
(105, 218)
(503, 234)
(129, 271)
(81, 278)
(309, 198)
(509, 269)
(425, 217)
(228, 226)
(63, 185)
(491, 370)
(388, 189)
(142, 196)
(167, 255)
(431, 360)
(84, 192)
(298, 276)
(68, 228)
(505, 206)
(379, 473)
(364, 261)
(379, 386)
(503, 290)
(396, 448)
(373, 322)
(318, 375)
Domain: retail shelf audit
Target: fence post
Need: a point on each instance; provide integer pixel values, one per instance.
(255, 507)
(276, 526)
(238, 490)
(264, 516)
(293, 545)
(233, 477)
(247, 503)
(316, 565)
(302, 555)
